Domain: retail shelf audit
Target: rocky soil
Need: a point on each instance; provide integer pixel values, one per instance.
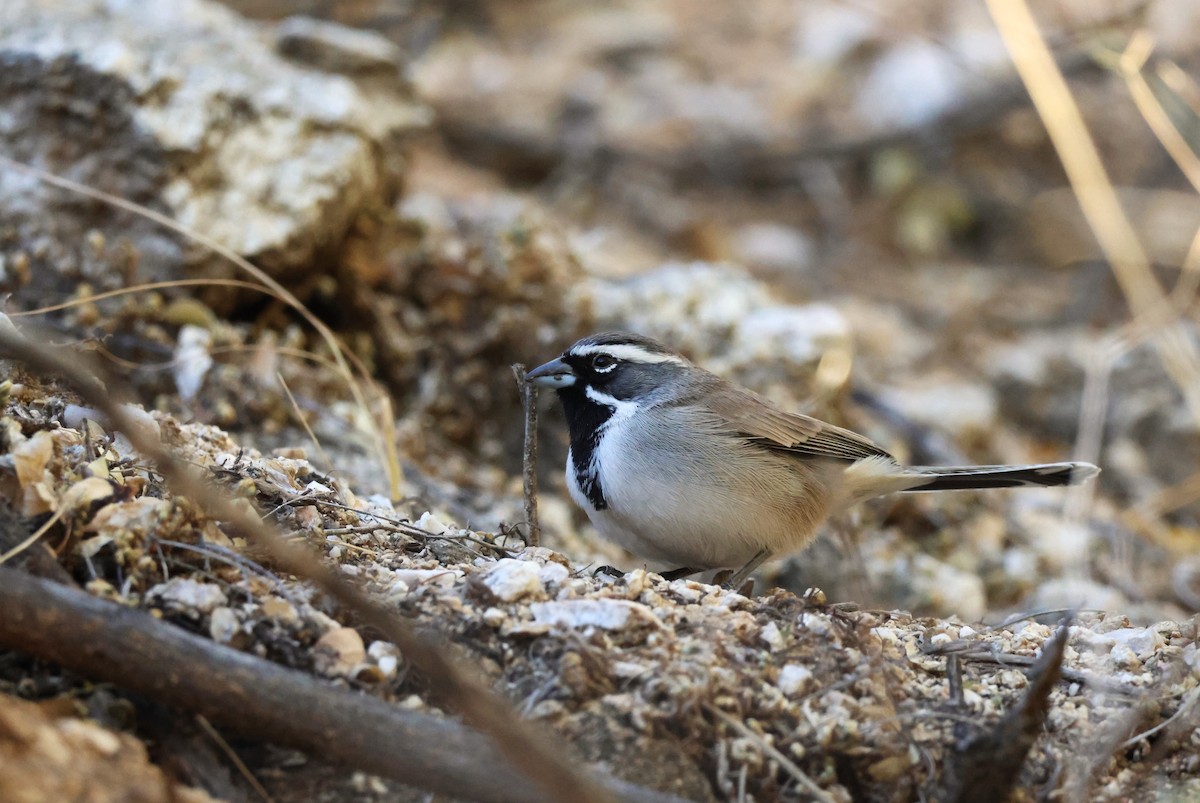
(854, 211)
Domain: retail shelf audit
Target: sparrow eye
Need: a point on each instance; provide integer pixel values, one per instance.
(603, 362)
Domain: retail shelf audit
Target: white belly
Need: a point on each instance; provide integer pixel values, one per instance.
(697, 509)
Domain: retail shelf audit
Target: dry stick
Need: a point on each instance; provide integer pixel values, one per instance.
(527, 748)
(257, 698)
(986, 768)
(1095, 193)
(529, 472)
(232, 756)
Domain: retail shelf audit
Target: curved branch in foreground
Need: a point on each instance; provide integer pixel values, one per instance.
(260, 699)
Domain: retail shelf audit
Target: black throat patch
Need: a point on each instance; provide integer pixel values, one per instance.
(585, 422)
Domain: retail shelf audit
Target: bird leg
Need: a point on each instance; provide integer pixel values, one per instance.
(739, 577)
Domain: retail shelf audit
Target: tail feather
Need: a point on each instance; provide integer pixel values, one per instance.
(960, 478)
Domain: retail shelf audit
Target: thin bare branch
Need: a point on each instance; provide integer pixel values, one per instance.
(529, 464)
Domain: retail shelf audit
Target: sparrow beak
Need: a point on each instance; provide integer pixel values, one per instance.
(554, 374)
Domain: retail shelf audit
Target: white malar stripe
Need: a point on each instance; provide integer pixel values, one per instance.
(629, 353)
(622, 408)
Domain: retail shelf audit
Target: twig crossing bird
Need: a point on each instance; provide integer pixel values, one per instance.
(678, 465)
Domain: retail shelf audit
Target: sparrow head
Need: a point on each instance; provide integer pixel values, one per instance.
(611, 366)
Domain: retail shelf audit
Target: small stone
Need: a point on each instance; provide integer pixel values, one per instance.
(189, 594)
(223, 625)
(772, 637)
(417, 578)
(338, 652)
(511, 579)
(794, 679)
(773, 246)
(606, 614)
(553, 573)
(431, 524)
(386, 656)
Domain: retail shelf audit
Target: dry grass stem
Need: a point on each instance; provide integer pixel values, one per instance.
(144, 288)
(1131, 65)
(1096, 195)
(33, 538)
(810, 786)
(233, 757)
(312, 436)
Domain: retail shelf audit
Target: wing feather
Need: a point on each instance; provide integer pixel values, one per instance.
(759, 421)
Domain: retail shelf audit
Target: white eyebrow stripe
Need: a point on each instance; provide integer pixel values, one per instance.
(628, 352)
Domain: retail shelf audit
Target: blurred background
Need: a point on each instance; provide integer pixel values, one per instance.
(851, 207)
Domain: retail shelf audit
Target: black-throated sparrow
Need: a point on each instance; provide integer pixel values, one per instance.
(678, 465)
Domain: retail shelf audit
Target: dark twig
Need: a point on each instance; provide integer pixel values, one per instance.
(526, 747)
(529, 398)
(259, 699)
(986, 767)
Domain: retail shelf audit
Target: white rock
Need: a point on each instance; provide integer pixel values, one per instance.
(831, 30)
(417, 578)
(772, 637)
(773, 246)
(1140, 641)
(959, 407)
(1074, 592)
(794, 679)
(912, 83)
(511, 579)
(388, 665)
(797, 334)
(431, 524)
(386, 656)
(817, 623)
(606, 614)
(189, 594)
(1061, 544)
(192, 360)
(223, 625)
(551, 572)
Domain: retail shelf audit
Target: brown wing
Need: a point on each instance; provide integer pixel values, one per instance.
(761, 422)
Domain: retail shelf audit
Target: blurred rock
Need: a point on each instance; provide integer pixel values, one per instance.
(961, 408)
(1040, 379)
(773, 246)
(182, 107)
(887, 99)
(64, 758)
(1067, 593)
(719, 315)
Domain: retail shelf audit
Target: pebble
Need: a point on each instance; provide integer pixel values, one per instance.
(511, 579)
